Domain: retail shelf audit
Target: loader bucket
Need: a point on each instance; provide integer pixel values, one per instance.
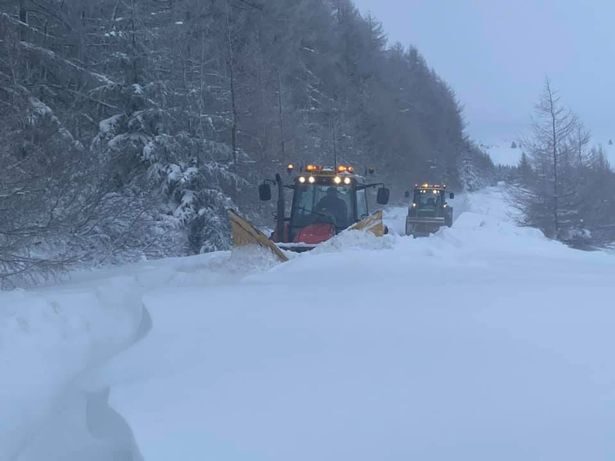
(245, 234)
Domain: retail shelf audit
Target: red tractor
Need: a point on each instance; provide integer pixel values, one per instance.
(325, 201)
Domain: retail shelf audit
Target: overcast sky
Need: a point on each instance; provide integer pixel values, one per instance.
(495, 54)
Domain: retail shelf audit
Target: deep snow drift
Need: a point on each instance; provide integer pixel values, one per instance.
(485, 341)
(49, 338)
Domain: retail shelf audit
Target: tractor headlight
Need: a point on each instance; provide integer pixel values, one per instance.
(347, 181)
(302, 179)
(312, 180)
(337, 180)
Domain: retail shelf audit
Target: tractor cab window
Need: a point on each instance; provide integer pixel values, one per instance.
(322, 203)
(426, 199)
(362, 211)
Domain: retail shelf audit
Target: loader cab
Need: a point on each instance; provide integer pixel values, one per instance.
(430, 200)
(325, 201)
(429, 209)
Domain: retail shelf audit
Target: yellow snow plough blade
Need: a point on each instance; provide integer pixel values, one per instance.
(245, 234)
(373, 223)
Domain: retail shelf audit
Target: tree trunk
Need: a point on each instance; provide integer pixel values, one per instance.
(234, 112)
(554, 141)
(23, 17)
(232, 83)
(281, 118)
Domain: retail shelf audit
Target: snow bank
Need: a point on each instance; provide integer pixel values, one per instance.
(55, 340)
(354, 240)
(47, 339)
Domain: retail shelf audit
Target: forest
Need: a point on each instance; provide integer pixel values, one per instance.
(128, 127)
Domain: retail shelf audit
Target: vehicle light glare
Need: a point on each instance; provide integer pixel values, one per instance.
(337, 180)
(312, 180)
(302, 180)
(347, 181)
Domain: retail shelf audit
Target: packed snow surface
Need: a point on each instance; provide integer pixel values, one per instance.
(483, 342)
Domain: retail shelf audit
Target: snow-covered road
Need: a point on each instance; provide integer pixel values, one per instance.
(483, 342)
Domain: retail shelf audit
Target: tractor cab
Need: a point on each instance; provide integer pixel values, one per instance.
(325, 201)
(428, 210)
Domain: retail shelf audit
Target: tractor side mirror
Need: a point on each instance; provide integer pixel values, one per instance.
(407, 194)
(383, 196)
(451, 195)
(264, 192)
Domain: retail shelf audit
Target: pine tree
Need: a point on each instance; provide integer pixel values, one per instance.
(565, 188)
(550, 207)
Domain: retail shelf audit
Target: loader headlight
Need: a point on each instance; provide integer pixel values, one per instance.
(312, 180)
(302, 179)
(347, 181)
(337, 180)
